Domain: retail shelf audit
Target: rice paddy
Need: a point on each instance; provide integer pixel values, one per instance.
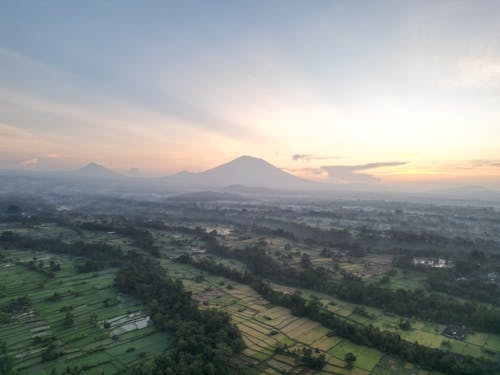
(112, 332)
(109, 332)
(477, 344)
(264, 326)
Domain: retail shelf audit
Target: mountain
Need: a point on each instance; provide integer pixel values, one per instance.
(247, 171)
(94, 170)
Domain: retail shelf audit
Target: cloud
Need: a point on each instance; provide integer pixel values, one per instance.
(484, 163)
(316, 174)
(30, 163)
(115, 93)
(343, 174)
(365, 167)
(304, 171)
(309, 157)
(476, 163)
(346, 174)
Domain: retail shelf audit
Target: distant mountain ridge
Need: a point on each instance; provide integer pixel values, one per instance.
(249, 176)
(245, 177)
(247, 171)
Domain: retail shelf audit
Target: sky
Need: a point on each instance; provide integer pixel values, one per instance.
(372, 92)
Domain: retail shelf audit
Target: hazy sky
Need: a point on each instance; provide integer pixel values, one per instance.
(350, 91)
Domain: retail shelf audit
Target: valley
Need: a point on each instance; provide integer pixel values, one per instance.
(57, 261)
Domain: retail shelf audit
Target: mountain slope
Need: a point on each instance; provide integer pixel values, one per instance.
(94, 170)
(247, 171)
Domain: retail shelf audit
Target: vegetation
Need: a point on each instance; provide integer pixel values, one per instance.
(415, 303)
(84, 278)
(204, 340)
(364, 335)
(6, 361)
(313, 359)
(349, 358)
(54, 344)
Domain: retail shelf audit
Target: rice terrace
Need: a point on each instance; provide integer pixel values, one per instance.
(65, 307)
(71, 319)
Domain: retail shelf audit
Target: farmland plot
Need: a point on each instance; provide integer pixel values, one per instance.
(89, 324)
(264, 326)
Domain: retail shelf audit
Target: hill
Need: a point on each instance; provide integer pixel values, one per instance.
(94, 170)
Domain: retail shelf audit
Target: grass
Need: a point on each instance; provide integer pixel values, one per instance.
(367, 358)
(389, 365)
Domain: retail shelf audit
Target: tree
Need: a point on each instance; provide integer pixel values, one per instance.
(349, 359)
(405, 325)
(305, 261)
(69, 320)
(54, 266)
(205, 339)
(314, 360)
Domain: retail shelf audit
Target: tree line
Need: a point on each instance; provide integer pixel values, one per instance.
(204, 340)
(408, 303)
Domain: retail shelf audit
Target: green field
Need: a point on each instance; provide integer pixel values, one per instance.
(477, 344)
(118, 337)
(264, 326)
(372, 268)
